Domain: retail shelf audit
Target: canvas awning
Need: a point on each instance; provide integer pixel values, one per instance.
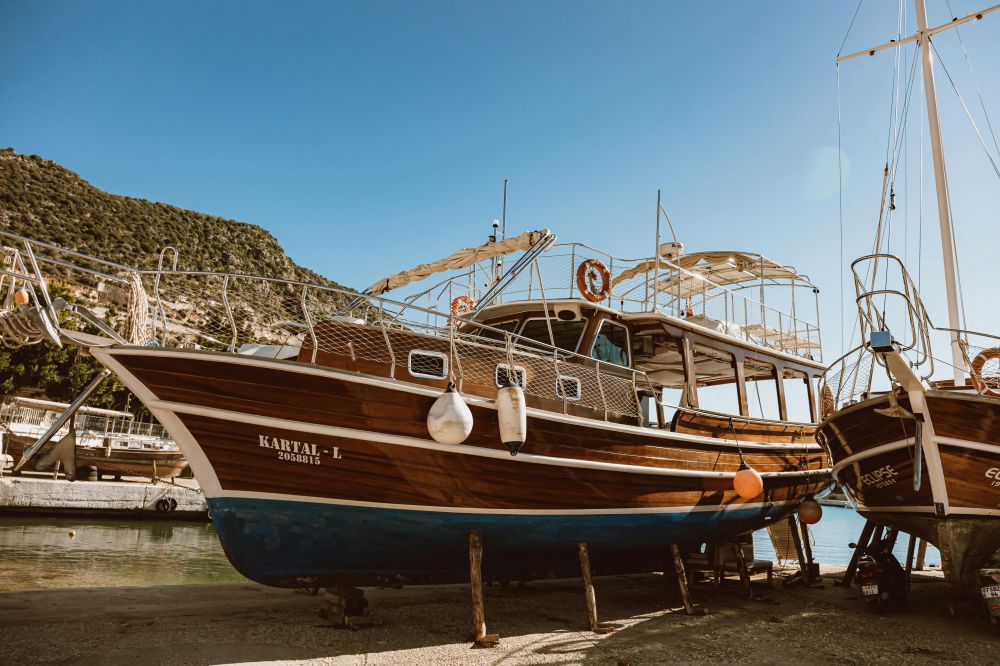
(722, 269)
(460, 259)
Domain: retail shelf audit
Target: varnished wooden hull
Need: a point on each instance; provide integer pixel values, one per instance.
(316, 476)
(957, 503)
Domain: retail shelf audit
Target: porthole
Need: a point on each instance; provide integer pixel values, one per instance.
(568, 388)
(427, 364)
(503, 372)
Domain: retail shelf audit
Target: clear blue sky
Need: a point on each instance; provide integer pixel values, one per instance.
(369, 136)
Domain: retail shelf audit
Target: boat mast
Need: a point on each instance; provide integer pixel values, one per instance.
(943, 200)
(923, 40)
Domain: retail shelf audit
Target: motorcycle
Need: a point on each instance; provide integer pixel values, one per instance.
(881, 578)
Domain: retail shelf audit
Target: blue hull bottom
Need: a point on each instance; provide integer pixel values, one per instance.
(297, 544)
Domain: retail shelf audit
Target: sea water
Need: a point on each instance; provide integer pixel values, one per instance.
(46, 553)
(831, 537)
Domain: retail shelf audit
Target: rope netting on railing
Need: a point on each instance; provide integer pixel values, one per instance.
(371, 334)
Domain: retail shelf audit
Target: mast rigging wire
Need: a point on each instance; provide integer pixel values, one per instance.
(975, 80)
(968, 115)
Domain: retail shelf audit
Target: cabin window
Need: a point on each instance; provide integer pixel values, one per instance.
(505, 326)
(762, 389)
(611, 344)
(504, 372)
(716, 376)
(568, 388)
(427, 364)
(796, 385)
(565, 333)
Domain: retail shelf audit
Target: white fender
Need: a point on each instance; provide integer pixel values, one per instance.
(449, 420)
(513, 417)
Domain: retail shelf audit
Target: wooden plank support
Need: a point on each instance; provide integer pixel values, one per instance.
(921, 554)
(859, 548)
(812, 571)
(910, 543)
(741, 564)
(689, 607)
(482, 639)
(340, 603)
(588, 592)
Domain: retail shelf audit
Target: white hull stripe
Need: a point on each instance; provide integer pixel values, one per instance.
(870, 453)
(758, 506)
(400, 440)
(397, 385)
(903, 443)
(977, 446)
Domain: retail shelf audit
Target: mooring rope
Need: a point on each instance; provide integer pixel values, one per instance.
(138, 327)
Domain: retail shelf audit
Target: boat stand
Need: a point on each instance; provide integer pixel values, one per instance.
(340, 604)
(808, 573)
(682, 582)
(588, 592)
(482, 639)
(852, 567)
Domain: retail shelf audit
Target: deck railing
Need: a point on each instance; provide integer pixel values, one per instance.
(730, 310)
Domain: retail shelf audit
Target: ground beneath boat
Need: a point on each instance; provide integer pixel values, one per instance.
(542, 622)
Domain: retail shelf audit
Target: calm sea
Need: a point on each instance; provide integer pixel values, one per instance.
(40, 553)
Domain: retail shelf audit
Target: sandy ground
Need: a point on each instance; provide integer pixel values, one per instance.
(542, 622)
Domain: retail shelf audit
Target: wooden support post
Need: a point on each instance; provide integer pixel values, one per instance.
(812, 571)
(482, 639)
(793, 527)
(859, 548)
(588, 592)
(741, 564)
(921, 554)
(910, 543)
(682, 582)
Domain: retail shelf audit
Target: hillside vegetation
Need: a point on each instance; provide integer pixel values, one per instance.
(43, 200)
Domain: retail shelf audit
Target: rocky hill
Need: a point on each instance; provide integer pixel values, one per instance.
(44, 200)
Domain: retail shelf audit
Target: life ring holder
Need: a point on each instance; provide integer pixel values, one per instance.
(462, 305)
(977, 368)
(586, 275)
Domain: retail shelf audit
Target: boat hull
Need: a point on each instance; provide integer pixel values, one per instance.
(316, 476)
(295, 543)
(956, 504)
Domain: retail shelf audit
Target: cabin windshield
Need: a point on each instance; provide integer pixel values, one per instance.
(611, 344)
(566, 334)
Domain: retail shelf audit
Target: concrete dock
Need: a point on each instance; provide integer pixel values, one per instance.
(541, 622)
(136, 498)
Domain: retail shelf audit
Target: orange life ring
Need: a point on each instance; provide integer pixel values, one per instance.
(462, 305)
(989, 387)
(586, 278)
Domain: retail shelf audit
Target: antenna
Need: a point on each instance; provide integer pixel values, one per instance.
(503, 216)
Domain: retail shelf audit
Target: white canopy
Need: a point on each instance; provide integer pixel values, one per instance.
(460, 259)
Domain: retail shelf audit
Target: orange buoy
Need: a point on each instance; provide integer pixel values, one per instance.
(748, 483)
(21, 296)
(810, 511)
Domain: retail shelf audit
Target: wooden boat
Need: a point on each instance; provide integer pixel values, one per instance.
(304, 410)
(922, 456)
(310, 439)
(110, 441)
